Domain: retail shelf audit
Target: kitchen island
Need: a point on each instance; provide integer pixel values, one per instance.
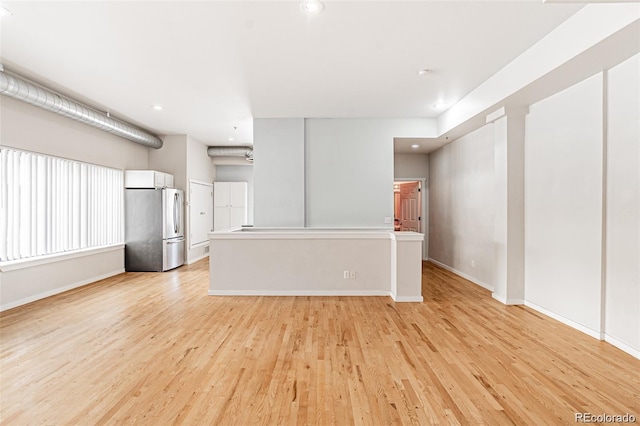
(316, 262)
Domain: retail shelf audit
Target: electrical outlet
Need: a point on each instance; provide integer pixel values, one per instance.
(387, 219)
(352, 275)
(345, 275)
(473, 263)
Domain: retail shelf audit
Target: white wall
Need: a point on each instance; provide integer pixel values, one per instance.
(563, 204)
(410, 166)
(349, 169)
(593, 38)
(416, 166)
(461, 210)
(239, 174)
(199, 164)
(622, 323)
(26, 285)
(27, 127)
(172, 159)
(278, 169)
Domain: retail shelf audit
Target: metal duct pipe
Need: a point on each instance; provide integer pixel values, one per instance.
(26, 91)
(231, 151)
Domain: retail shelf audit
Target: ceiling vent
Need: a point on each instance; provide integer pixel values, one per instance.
(231, 151)
(34, 94)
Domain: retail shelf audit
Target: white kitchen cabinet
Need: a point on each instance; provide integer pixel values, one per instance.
(229, 205)
(168, 180)
(147, 179)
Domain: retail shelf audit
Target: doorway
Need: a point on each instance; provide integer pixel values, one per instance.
(412, 215)
(407, 205)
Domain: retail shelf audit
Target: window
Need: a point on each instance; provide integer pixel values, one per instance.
(51, 205)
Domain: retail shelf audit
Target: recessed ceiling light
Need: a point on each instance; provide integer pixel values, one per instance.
(230, 139)
(415, 146)
(157, 107)
(5, 12)
(440, 105)
(424, 72)
(311, 6)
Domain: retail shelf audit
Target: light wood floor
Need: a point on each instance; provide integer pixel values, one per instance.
(151, 348)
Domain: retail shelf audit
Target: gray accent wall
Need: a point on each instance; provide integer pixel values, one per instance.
(278, 170)
(335, 173)
(349, 167)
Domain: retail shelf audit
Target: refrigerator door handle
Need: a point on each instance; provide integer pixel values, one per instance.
(175, 212)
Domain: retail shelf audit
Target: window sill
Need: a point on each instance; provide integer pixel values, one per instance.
(13, 265)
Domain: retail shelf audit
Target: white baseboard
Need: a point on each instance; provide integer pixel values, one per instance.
(190, 261)
(499, 298)
(566, 321)
(462, 274)
(58, 290)
(408, 299)
(507, 301)
(298, 293)
(622, 346)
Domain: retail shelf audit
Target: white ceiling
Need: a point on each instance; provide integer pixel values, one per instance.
(425, 145)
(216, 65)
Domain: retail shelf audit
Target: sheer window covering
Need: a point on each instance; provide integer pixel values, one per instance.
(51, 205)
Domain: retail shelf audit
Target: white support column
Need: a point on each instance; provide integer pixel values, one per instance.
(406, 266)
(509, 127)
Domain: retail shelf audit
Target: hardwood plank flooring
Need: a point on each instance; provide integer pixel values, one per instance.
(151, 348)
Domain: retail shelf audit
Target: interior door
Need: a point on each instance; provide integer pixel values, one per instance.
(200, 212)
(410, 201)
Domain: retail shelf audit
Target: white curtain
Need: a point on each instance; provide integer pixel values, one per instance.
(52, 205)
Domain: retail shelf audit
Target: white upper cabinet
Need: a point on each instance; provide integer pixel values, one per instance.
(147, 179)
(222, 194)
(237, 194)
(230, 205)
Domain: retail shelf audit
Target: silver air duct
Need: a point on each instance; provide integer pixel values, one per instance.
(26, 91)
(231, 151)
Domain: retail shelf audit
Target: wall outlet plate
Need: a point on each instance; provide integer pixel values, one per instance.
(352, 275)
(387, 220)
(345, 275)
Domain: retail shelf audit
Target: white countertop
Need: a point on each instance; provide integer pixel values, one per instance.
(313, 233)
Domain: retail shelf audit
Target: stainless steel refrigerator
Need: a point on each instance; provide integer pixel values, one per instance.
(154, 231)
